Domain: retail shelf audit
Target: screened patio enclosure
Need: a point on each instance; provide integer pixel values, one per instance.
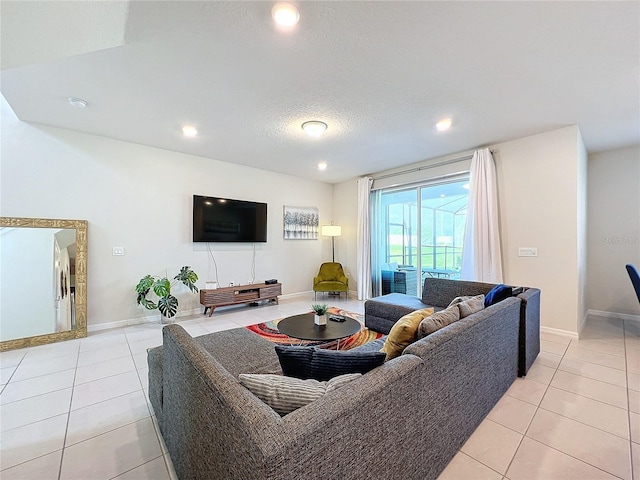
(419, 229)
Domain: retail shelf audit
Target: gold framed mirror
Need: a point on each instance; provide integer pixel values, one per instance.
(43, 281)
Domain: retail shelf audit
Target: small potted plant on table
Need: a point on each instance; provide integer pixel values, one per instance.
(320, 313)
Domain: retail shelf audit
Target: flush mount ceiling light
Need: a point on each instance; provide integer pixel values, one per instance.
(77, 102)
(285, 15)
(189, 131)
(314, 128)
(322, 166)
(443, 125)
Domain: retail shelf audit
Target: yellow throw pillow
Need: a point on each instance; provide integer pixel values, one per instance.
(404, 332)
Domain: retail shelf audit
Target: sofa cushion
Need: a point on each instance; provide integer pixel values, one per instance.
(438, 320)
(286, 394)
(404, 332)
(458, 300)
(470, 305)
(326, 364)
(497, 294)
(295, 360)
(321, 364)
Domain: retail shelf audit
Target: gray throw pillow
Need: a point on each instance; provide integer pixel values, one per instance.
(286, 394)
(471, 306)
(438, 320)
(458, 300)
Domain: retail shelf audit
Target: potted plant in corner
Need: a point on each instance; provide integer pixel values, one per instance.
(161, 286)
(320, 313)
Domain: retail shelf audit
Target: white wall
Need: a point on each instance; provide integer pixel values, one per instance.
(614, 229)
(540, 192)
(345, 213)
(140, 198)
(539, 201)
(582, 232)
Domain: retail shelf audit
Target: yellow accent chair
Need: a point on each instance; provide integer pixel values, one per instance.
(331, 278)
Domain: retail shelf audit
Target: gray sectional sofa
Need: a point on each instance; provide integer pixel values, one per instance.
(381, 313)
(403, 420)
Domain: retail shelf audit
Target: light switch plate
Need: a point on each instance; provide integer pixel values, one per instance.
(527, 252)
(118, 250)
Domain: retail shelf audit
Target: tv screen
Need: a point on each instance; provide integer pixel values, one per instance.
(226, 220)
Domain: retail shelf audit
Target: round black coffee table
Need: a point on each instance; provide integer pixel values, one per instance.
(302, 327)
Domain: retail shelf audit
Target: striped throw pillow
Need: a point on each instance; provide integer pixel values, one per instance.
(286, 394)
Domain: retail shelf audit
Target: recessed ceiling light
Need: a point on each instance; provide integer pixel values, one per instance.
(322, 166)
(285, 14)
(77, 102)
(189, 131)
(314, 128)
(444, 124)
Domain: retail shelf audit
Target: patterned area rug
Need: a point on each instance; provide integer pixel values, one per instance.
(269, 331)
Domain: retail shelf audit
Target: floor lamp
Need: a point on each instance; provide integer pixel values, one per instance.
(332, 231)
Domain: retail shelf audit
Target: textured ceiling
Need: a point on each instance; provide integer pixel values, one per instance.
(380, 74)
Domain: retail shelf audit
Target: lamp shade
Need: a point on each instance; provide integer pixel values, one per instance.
(331, 230)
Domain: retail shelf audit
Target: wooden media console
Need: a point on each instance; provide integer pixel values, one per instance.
(220, 297)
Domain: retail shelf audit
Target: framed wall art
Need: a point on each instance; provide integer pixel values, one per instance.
(301, 223)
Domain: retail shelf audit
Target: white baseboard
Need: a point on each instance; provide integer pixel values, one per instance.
(591, 313)
(139, 320)
(583, 322)
(614, 315)
(558, 331)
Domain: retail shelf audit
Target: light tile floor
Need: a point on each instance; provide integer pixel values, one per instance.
(79, 409)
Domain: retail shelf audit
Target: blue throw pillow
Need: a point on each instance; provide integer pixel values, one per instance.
(322, 365)
(497, 294)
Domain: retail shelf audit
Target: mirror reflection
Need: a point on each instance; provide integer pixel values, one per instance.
(42, 281)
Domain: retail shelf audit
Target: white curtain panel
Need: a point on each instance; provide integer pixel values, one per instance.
(481, 255)
(363, 250)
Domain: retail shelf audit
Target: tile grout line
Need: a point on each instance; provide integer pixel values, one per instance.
(538, 407)
(628, 411)
(626, 379)
(133, 468)
(155, 430)
(534, 414)
(13, 373)
(66, 428)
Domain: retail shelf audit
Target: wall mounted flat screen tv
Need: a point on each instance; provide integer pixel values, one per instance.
(227, 220)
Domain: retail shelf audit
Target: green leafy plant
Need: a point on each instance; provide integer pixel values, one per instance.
(161, 286)
(320, 309)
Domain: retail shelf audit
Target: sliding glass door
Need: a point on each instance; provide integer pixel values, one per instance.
(418, 232)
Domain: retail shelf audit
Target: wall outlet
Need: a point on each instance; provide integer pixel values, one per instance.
(527, 252)
(118, 250)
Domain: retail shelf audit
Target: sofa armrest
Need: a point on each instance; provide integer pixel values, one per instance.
(154, 361)
(380, 313)
(529, 329)
(358, 422)
(316, 280)
(209, 418)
